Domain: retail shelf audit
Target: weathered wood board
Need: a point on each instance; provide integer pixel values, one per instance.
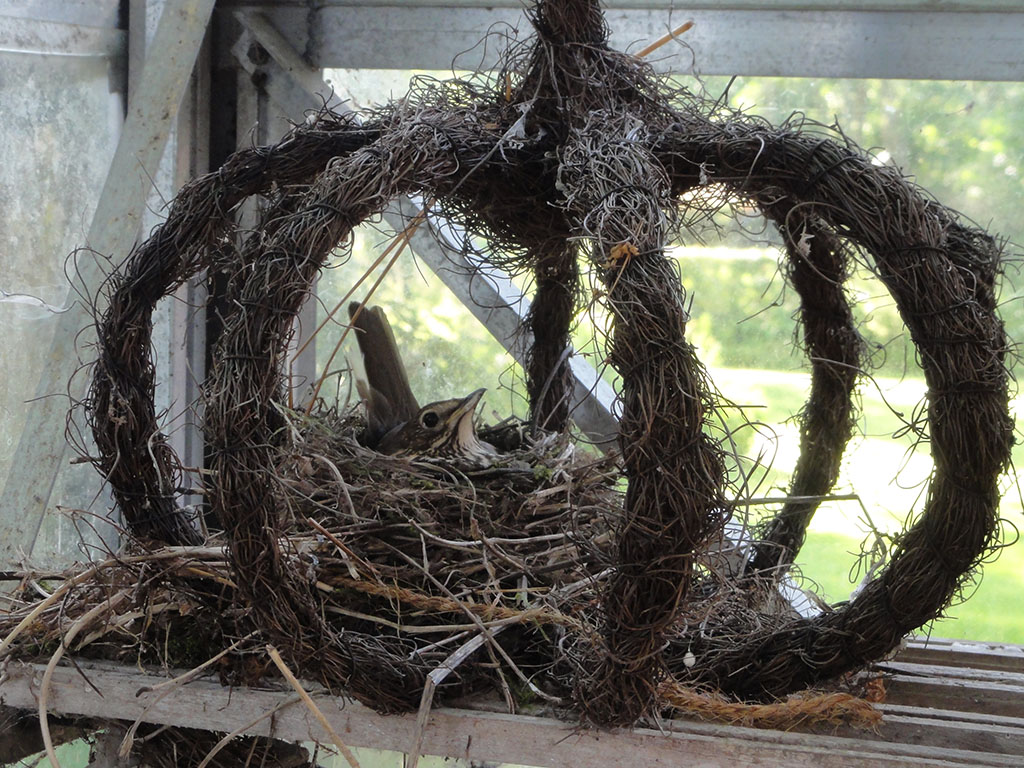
(938, 713)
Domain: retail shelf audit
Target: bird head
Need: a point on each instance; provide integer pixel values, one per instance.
(443, 429)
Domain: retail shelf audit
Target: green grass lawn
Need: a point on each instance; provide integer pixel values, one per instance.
(989, 612)
(888, 476)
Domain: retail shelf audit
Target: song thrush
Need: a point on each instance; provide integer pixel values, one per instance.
(396, 424)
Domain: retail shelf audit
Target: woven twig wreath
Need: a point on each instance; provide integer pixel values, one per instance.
(576, 147)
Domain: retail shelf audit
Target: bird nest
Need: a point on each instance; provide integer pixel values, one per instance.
(374, 574)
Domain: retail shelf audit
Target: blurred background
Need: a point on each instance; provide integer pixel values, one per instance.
(957, 140)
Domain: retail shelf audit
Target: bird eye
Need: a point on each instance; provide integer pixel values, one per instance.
(430, 419)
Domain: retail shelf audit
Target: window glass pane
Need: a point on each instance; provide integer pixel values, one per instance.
(59, 119)
(446, 352)
(957, 140)
(961, 142)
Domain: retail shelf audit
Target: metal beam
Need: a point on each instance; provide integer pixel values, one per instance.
(665, 5)
(292, 87)
(178, 324)
(785, 40)
(94, 13)
(42, 448)
(305, 76)
(289, 94)
(19, 35)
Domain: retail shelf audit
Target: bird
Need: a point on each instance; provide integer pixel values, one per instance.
(396, 424)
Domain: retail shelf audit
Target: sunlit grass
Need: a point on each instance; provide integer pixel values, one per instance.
(888, 478)
(829, 561)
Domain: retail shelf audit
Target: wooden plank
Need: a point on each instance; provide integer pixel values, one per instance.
(964, 653)
(124, 694)
(42, 448)
(951, 715)
(923, 726)
(950, 671)
(961, 695)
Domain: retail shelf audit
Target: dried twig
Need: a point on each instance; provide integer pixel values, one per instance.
(435, 678)
(108, 606)
(312, 707)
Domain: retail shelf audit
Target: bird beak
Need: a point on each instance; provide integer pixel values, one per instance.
(461, 417)
(463, 429)
(468, 406)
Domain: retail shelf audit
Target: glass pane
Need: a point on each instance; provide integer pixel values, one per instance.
(59, 119)
(957, 140)
(446, 352)
(961, 142)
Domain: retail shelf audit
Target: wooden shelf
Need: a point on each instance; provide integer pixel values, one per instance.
(939, 712)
